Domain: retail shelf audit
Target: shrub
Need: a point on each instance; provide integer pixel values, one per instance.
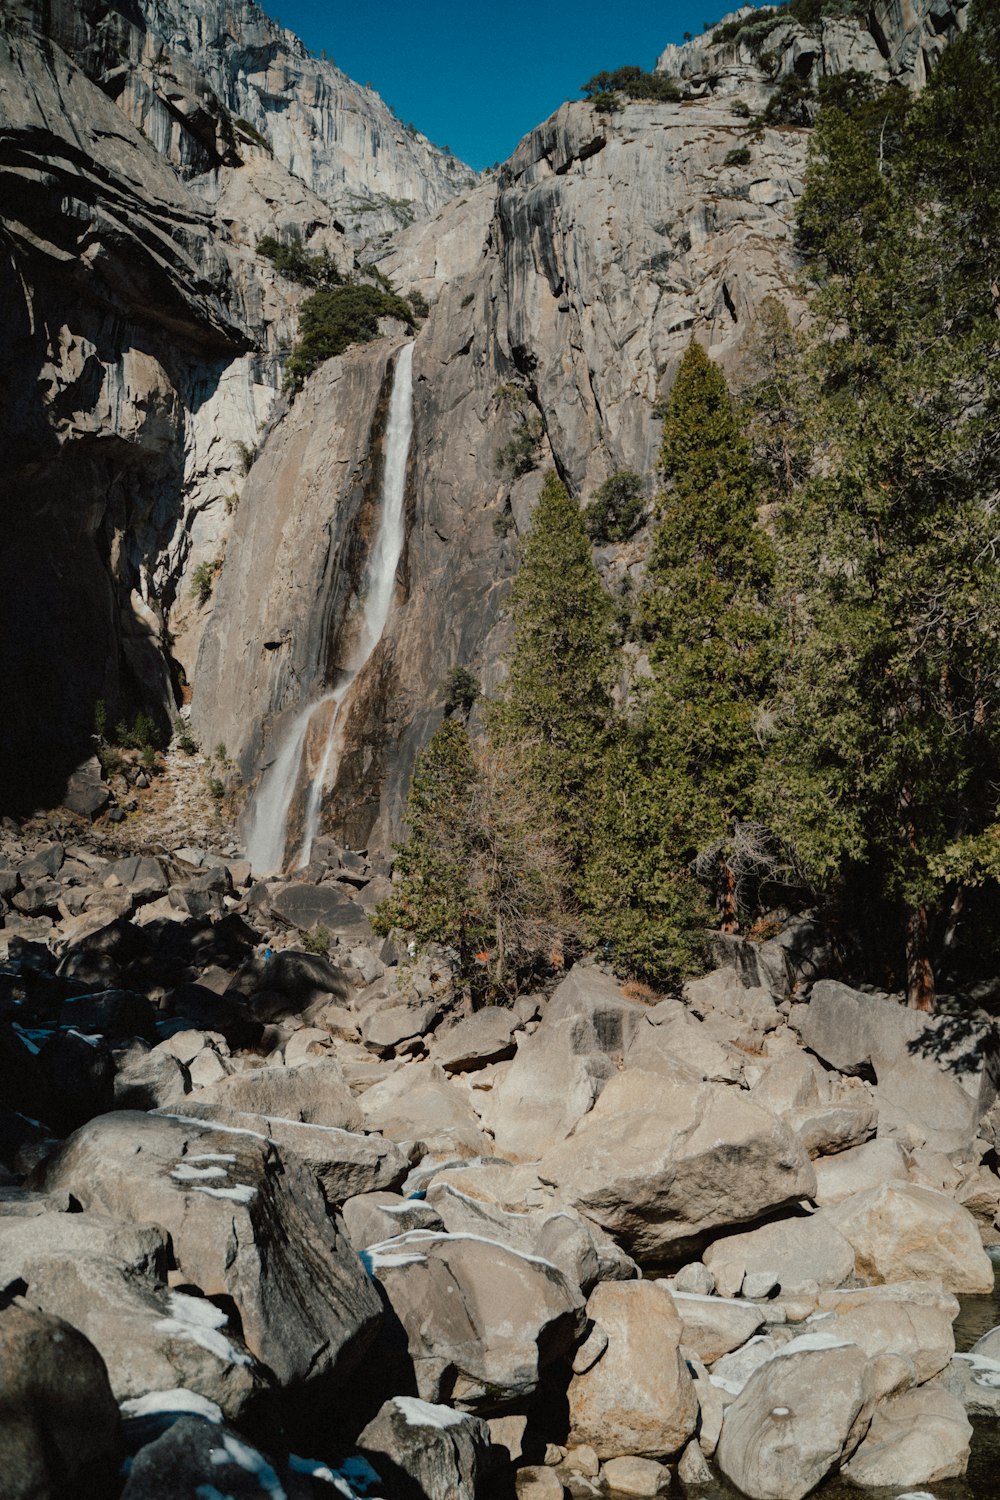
(232, 503)
(738, 157)
(247, 454)
(518, 456)
(741, 109)
(203, 580)
(141, 736)
(419, 303)
(317, 940)
(332, 320)
(100, 718)
(296, 263)
(791, 103)
(185, 743)
(461, 690)
(216, 788)
(632, 82)
(503, 523)
(616, 508)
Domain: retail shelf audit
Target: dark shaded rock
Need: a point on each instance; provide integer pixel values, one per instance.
(299, 978)
(37, 897)
(142, 876)
(204, 1010)
(23, 1085)
(42, 864)
(427, 1451)
(307, 906)
(111, 1013)
(197, 1460)
(60, 1434)
(86, 794)
(80, 1076)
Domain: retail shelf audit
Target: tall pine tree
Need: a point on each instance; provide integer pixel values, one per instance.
(555, 705)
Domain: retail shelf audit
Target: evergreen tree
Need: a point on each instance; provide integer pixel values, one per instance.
(706, 617)
(887, 760)
(555, 705)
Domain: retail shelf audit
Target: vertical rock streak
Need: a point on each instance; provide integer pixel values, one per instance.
(291, 791)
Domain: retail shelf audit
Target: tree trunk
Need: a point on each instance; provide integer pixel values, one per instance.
(730, 915)
(919, 973)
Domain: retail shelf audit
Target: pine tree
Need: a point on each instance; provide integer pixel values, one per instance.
(887, 760)
(555, 705)
(706, 617)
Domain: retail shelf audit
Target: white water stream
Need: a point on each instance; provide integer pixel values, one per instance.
(311, 747)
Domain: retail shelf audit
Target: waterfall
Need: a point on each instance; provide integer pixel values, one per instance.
(311, 747)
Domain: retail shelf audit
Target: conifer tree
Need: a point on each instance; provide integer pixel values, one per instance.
(887, 761)
(555, 705)
(707, 619)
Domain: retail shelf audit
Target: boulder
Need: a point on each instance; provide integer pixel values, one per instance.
(798, 1416)
(683, 1051)
(244, 1223)
(141, 875)
(197, 1459)
(923, 1335)
(661, 1166)
(486, 1037)
(79, 1079)
(387, 1029)
(900, 1231)
(551, 1084)
(86, 794)
(306, 906)
(417, 1103)
(595, 999)
(713, 1326)
(801, 1253)
(974, 1380)
(314, 1093)
(862, 1167)
(919, 1437)
(854, 1032)
(59, 1426)
(481, 1321)
(342, 1162)
(638, 1398)
(558, 1235)
(373, 1217)
(444, 1453)
(150, 1080)
(638, 1478)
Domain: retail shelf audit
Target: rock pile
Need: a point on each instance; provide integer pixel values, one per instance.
(276, 1221)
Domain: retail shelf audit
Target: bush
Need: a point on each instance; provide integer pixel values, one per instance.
(300, 265)
(738, 157)
(203, 580)
(792, 103)
(518, 456)
(185, 743)
(143, 734)
(741, 109)
(332, 320)
(317, 940)
(419, 303)
(616, 508)
(503, 523)
(100, 718)
(247, 457)
(461, 690)
(216, 788)
(633, 83)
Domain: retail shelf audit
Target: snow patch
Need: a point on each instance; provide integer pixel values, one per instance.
(185, 1173)
(414, 1237)
(211, 1156)
(807, 1341)
(200, 1321)
(423, 1414)
(156, 1402)
(242, 1194)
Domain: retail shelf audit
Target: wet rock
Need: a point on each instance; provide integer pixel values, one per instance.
(445, 1454)
(638, 1398)
(59, 1425)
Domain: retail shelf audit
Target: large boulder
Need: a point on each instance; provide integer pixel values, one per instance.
(197, 1459)
(558, 1235)
(481, 1321)
(919, 1437)
(798, 1416)
(244, 1223)
(802, 1253)
(417, 1104)
(551, 1084)
(713, 1326)
(486, 1037)
(314, 1093)
(662, 1165)
(306, 906)
(59, 1426)
(866, 1166)
(638, 1398)
(594, 998)
(901, 1231)
(921, 1334)
(444, 1454)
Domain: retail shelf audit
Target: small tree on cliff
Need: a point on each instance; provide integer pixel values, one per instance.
(555, 705)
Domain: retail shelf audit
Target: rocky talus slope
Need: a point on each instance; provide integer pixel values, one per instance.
(273, 1221)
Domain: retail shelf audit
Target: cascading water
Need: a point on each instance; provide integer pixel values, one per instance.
(310, 749)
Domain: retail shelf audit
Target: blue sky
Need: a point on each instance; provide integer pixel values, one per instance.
(476, 76)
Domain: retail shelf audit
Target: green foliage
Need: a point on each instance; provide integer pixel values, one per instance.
(555, 704)
(504, 523)
(616, 509)
(754, 30)
(317, 940)
(296, 263)
(741, 109)
(220, 753)
(330, 321)
(421, 307)
(518, 456)
(247, 457)
(886, 760)
(216, 787)
(143, 734)
(633, 83)
(461, 689)
(100, 718)
(738, 157)
(185, 743)
(792, 103)
(203, 579)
